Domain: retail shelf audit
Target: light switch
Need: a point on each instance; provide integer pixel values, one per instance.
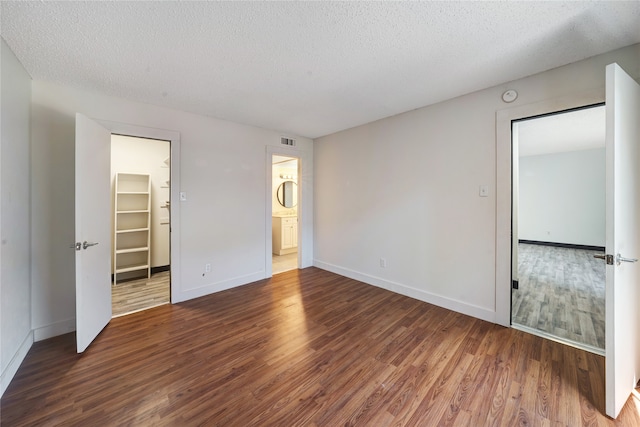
(484, 191)
(183, 196)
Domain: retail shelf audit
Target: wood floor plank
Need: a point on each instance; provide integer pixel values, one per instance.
(140, 294)
(308, 348)
(561, 292)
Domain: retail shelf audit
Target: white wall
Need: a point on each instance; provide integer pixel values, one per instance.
(222, 170)
(15, 286)
(562, 197)
(147, 156)
(405, 189)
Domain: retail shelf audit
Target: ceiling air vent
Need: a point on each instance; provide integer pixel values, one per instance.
(288, 141)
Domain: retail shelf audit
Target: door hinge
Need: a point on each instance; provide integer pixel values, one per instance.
(608, 258)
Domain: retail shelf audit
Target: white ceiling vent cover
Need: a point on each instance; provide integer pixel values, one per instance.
(288, 141)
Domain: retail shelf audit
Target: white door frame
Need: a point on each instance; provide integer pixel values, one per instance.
(174, 208)
(504, 187)
(305, 203)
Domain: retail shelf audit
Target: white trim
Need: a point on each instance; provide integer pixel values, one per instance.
(54, 329)
(14, 364)
(428, 297)
(200, 291)
(555, 338)
(174, 138)
(503, 185)
(305, 206)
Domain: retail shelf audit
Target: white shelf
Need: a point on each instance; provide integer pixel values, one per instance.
(131, 250)
(132, 230)
(133, 267)
(132, 182)
(132, 220)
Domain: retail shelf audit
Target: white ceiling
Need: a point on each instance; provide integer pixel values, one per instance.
(306, 68)
(583, 129)
(285, 162)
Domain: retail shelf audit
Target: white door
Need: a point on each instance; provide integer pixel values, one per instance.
(93, 223)
(622, 237)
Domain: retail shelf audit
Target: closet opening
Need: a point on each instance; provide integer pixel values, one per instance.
(140, 223)
(284, 207)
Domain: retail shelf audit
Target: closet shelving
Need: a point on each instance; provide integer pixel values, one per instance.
(164, 220)
(132, 220)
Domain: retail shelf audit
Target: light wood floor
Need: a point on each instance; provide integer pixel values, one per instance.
(561, 292)
(136, 295)
(308, 348)
(282, 263)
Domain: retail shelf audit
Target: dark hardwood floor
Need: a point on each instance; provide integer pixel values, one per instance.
(308, 348)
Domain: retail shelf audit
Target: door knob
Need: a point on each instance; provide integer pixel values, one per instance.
(620, 258)
(86, 244)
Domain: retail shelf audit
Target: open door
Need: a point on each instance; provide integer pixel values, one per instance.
(92, 229)
(622, 237)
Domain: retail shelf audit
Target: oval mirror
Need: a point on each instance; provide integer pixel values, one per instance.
(287, 194)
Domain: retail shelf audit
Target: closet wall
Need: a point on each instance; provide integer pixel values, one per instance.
(562, 197)
(147, 156)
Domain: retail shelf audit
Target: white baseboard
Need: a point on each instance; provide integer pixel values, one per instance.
(54, 329)
(551, 337)
(14, 364)
(440, 301)
(187, 294)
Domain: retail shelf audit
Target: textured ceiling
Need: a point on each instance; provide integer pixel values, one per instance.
(582, 129)
(307, 68)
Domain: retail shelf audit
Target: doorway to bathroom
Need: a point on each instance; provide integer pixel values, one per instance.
(284, 213)
(140, 223)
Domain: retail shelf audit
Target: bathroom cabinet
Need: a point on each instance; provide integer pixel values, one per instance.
(132, 232)
(284, 234)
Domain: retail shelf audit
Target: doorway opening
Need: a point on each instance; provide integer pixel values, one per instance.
(284, 213)
(141, 222)
(558, 225)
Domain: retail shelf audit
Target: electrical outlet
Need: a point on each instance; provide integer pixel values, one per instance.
(383, 262)
(207, 268)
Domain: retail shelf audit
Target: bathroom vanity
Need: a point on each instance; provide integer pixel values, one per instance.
(284, 234)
